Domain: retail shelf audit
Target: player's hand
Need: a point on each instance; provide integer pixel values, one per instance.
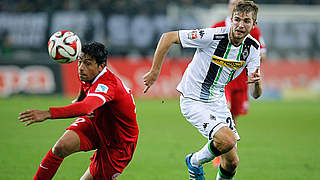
(33, 116)
(149, 78)
(254, 77)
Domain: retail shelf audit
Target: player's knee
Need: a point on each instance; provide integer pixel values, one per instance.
(225, 140)
(60, 149)
(229, 142)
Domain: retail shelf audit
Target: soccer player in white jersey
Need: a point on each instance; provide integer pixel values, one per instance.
(221, 54)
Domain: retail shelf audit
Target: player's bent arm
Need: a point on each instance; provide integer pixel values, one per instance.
(254, 81)
(263, 57)
(164, 44)
(84, 107)
(256, 90)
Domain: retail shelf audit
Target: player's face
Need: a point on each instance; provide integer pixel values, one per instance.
(242, 24)
(88, 68)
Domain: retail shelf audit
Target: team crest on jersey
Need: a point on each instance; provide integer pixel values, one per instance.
(227, 63)
(245, 53)
(193, 35)
(102, 88)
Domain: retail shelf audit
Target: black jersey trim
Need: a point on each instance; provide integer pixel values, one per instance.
(248, 42)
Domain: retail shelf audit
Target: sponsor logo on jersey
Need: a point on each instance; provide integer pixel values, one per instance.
(227, 63)
(212, 117)
(43, 166)
(219, 36)
(193, 35)
(201, 32)
(205, 125)
(102, 88)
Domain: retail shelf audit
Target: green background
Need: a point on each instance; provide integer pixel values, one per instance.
(279, 141)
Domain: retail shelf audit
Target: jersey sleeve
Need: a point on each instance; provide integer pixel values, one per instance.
(104, 91)
(254, 60)
(84, 107)
(196, 38)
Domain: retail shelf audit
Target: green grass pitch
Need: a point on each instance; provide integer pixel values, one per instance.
(279, 141)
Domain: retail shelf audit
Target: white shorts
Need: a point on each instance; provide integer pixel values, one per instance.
(208, 117)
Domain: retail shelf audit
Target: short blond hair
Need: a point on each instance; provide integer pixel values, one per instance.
(247, 7)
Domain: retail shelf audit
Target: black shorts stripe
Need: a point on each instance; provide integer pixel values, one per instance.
(210, 133)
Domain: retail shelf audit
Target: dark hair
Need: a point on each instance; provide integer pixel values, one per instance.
(96, 50)
(247, 6)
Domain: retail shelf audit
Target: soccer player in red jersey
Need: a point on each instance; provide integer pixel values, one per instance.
(106, 121)
(237, 90)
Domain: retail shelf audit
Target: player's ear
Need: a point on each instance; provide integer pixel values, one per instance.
(101, 65)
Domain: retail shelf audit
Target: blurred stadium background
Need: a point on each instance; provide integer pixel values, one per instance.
(285, 120)
(131, 29)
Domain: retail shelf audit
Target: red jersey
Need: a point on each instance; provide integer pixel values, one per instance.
(111, 108)
(115, 121)
(239, 82)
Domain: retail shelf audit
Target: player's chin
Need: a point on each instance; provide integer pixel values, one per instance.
(83, 77)
(240, 35)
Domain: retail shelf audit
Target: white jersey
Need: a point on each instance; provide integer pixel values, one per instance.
(215, 63)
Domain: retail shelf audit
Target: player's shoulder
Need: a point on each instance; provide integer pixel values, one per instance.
(251, 41)
(217, 30)
(107, 78)
(220, 33)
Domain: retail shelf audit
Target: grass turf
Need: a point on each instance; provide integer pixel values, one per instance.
(279, 141)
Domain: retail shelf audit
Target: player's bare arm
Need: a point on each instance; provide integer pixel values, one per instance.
(33, 116)
(255, 84)
(165, 42)
(263, 57)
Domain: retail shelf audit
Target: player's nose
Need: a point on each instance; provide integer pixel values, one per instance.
(241, 24)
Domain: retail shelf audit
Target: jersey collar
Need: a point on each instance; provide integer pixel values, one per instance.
(98, 76)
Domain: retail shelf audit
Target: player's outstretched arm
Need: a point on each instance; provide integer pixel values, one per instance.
(255, 84)
(164, 44)
(33, 116)
(86, 106)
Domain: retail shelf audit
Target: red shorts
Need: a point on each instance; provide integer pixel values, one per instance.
(107, 163)
(238, 99)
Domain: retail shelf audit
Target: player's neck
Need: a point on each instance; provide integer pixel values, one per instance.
(235, 41)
